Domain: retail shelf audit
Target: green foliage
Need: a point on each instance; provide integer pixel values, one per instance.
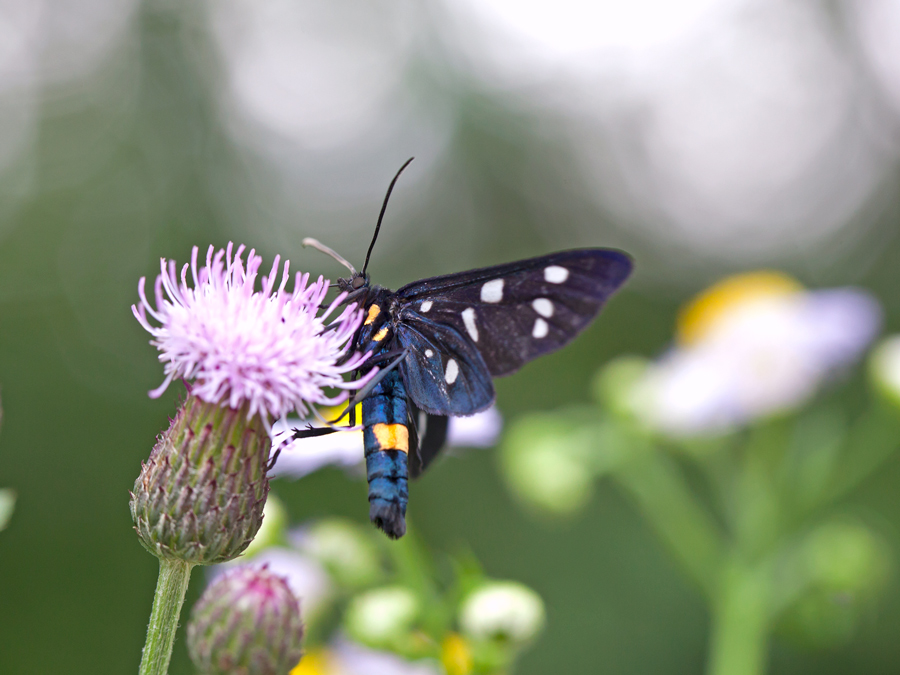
(753, 515)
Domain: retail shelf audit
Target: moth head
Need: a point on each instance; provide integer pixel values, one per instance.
(354, 283)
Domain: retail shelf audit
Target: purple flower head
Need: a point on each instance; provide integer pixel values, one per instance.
(267, 348)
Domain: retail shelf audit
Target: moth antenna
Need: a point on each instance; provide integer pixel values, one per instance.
(319, 246)
(381, 215)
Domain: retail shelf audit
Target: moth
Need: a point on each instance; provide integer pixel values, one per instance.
(439, 342)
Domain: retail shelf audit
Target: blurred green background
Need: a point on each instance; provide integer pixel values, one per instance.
(703, 137)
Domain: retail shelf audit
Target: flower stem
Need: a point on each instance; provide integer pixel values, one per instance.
(680, 521)
(740, 623)
(170, 591)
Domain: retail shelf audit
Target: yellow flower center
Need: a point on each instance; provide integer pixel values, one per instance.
(315, 662)
(456, 655)
(697, 319)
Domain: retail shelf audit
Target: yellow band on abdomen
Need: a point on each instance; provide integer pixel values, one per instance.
(374, 311)
(392, 436)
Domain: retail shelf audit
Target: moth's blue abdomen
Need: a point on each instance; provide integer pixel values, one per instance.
(386, 441)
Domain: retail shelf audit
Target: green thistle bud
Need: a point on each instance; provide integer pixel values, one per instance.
(844, 567)
(247, 622)
(200, 496)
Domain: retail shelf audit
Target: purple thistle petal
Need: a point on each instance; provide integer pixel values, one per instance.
(235, 343)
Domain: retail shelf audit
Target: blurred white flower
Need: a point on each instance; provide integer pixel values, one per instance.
(351, 658)
(480, 430)
(345, 448)
(382, 615)
(753, 345)
(501, 610)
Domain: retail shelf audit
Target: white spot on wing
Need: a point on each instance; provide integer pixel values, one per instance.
(556, 274)
(429, 353)
(541, 328)
(452, 372)
(468, 316)
(543, 306)
(492, 291)
(425, 306)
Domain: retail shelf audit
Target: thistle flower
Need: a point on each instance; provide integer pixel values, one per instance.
(247, 621)
(251, 355)
(236, 344)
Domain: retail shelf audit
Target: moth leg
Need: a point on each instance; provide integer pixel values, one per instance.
(310, 432)
(313, 432)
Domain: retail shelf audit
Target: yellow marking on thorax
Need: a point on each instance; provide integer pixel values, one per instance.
(392, 437)
(374, 311)
(380, 335)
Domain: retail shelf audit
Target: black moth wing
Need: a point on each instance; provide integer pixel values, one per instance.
(443, 372)
(516, 312)
(427, 435)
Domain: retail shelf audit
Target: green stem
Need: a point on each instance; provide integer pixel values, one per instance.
(685, 527)
(740, 623)
(170, 591)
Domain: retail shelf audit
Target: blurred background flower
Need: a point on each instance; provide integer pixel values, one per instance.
(752, 345)
(705, 137)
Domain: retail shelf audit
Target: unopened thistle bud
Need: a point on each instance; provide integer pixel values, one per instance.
(200, 496)
(248, 622)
